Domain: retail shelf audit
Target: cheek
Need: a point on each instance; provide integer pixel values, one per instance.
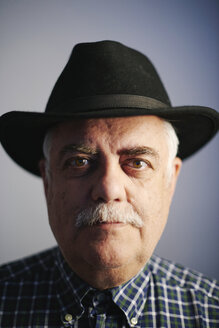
(147, 201)
(153, 206)
(156, 195)
(62, 204)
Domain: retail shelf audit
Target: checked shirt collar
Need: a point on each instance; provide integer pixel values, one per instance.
(71, 290)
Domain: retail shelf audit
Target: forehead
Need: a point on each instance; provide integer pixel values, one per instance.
(122, 131)
(129, 125)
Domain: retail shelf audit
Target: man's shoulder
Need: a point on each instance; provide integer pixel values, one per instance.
(38, 264)
(177, 276)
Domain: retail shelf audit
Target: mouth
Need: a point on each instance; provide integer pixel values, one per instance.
(109, 222)
(108, 225)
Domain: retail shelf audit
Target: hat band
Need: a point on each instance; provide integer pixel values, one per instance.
(100, 102)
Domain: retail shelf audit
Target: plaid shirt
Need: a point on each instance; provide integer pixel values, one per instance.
(42, 291)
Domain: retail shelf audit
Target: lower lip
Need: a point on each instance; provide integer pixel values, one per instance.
(108, 225)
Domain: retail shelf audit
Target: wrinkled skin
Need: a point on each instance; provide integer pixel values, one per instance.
(109, 166)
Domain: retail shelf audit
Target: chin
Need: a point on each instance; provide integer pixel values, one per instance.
(106, 262)
(108, 256)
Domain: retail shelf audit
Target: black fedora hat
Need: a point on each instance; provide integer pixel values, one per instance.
(104, 79)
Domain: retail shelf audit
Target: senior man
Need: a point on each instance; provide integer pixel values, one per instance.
(109, 148)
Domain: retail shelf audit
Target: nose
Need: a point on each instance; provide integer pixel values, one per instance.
(109, 185)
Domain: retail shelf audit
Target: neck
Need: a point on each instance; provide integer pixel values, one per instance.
(106, 278)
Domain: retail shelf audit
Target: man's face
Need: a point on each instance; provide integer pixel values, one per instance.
(119, 162)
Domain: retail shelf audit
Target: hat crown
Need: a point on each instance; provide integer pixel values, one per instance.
(106, 68)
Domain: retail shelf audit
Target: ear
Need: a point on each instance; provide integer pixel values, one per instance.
(44, 175)
(177, 164)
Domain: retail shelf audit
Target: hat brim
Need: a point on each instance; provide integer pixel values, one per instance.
(22, 133)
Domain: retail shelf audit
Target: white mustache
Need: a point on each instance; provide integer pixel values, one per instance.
(108, 214)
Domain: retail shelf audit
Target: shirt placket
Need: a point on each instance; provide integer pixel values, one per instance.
(101, 321)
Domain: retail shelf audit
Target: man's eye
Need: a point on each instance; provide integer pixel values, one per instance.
(78, 162)
(78, 166)
(137, 164)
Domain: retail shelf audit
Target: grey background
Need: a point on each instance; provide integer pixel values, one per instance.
(181, 38)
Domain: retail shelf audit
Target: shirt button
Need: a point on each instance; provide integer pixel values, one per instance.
(68, 317)
(134, 321)
(100, 297)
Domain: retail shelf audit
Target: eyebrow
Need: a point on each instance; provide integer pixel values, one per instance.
(142, 150)
(73, 148)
